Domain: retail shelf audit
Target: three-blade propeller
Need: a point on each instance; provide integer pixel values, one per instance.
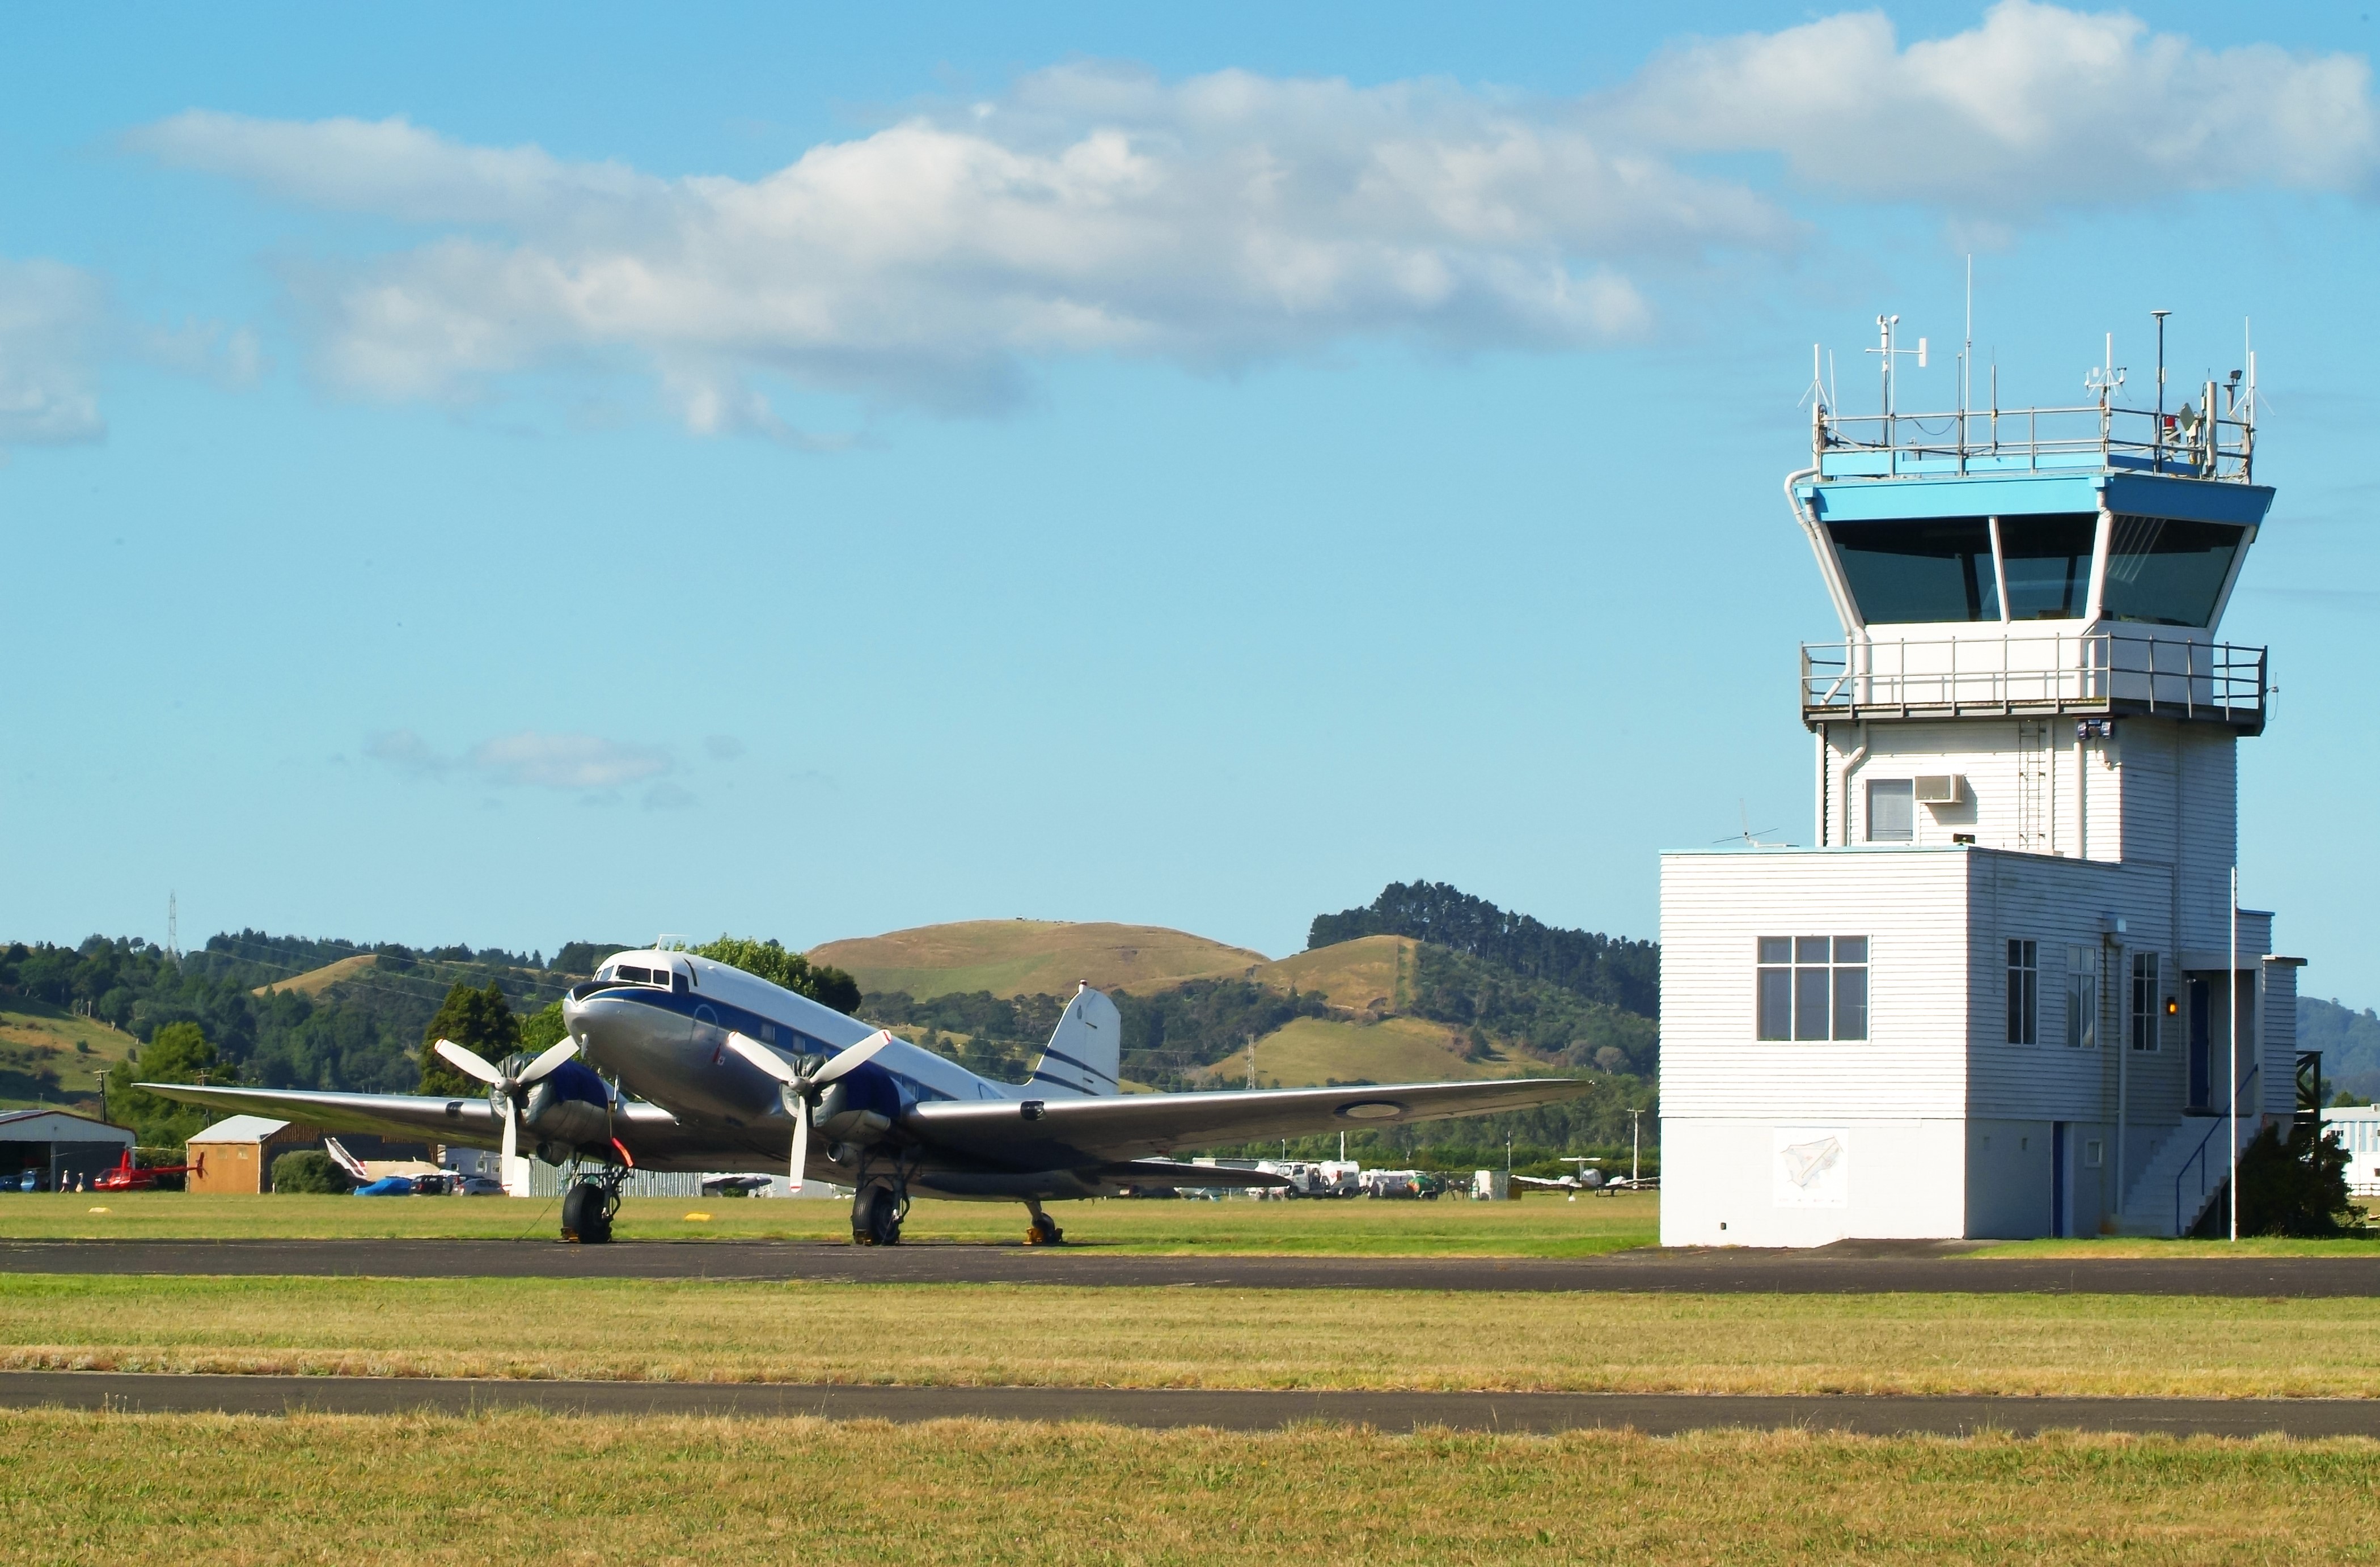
(804, 1089)
(511, 1087)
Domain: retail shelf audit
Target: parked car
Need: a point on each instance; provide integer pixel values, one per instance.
(480, 1186)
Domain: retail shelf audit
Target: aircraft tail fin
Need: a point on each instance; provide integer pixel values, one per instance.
(1084, 1051)
(344, 1160)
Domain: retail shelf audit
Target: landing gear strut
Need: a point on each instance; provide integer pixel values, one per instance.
(588, 1207)
(1043, 1230)
(877, 1209)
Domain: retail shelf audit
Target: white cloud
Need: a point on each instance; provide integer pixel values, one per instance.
(1219, 220)
(2038, 107)
(1234, 218)
(50, 317)
(580, 763)
(565, 761)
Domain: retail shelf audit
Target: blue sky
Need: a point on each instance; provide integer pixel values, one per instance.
(585, 472)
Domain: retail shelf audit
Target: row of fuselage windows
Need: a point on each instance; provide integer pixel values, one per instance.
(1816, 988)
(2160, 571)
(2075, 1020)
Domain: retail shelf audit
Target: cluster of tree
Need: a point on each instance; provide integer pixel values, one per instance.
(1610, 970)
(1489, 999)
(2349, 1043)
(1167, 1037)
(822, 983)
(2290, 1185)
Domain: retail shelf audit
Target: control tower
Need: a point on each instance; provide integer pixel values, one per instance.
(2001, 996)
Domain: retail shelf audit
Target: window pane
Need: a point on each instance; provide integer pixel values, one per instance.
(2048, 560)
(1907, 572)
(1776, 1004)
(2082, 1011)
(2168, 573)
(1891, 811)
(1810, 1003)
(1850, 948)
(1850, 1003)
(1810, 949)
(1776, 949)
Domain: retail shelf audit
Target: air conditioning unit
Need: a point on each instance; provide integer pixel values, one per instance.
(1940, 789)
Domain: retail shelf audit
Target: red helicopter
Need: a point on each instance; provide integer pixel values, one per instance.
(129, 1177)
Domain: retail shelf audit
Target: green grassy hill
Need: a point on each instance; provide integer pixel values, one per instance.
(50, 1056)
(1024, 957)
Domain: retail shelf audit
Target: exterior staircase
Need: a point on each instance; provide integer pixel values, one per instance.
(2187, 1170)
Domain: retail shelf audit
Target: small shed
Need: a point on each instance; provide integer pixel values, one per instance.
(237, 1154)
(59, 1146)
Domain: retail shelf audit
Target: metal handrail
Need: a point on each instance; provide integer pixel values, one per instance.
(2199, 1153)
(2220, 447)
(2090, 672)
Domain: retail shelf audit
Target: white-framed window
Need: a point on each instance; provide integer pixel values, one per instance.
(1891, 810)
(1811, 988)
(2023, 991)
(2082, 998)
(2148, 1003)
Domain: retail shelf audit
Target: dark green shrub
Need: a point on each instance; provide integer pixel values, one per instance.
(309, 1169)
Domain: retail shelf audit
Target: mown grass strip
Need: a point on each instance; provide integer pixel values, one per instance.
(1055, 1335)
(517, 1487)
(1451, 1227)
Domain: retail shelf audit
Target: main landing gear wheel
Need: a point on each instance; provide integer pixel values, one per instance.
(1043, 1230)
(876, 1214)
(586, 1210)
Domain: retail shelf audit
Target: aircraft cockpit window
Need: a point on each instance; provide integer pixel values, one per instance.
(605, 972)
(631, 973)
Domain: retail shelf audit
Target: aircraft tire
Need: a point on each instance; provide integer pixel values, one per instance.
(586, 1215)
(875, 1219)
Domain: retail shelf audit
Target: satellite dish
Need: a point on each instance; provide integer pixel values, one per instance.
(2188, 419)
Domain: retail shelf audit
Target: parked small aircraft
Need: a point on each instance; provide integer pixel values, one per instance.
(1583, 1179)
(712, 1069)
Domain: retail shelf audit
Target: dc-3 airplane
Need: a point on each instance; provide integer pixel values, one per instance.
(720, 1070)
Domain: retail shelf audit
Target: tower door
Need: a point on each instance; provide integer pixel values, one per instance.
(2201, 1043)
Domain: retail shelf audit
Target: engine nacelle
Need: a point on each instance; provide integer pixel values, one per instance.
(849, 1111)
(556, 1114)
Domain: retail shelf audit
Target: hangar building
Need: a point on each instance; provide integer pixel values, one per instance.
(58, 1144)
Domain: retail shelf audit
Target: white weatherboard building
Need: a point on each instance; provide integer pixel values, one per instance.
(2000, 997)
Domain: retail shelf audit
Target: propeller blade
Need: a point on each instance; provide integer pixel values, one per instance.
(801, 1146)
(544, 1064)
(512, 1142)
(856, 1056)
(764, 1058)
(469, 1061)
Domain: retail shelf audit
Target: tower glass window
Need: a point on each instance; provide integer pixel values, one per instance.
(1891, 810)
(1903, 573)
(2166, 571)
(1811, 988)
(2146, 1001)
(2048, 560)
(2023, 991)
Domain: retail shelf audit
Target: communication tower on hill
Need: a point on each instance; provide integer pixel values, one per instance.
(2010, 991)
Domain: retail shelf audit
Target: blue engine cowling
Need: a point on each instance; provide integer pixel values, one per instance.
(571, 1106)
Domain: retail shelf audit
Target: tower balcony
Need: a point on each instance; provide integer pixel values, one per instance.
(2032, 675)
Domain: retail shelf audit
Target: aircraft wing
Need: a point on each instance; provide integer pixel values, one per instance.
(651, 1134)
(1542, 1181)
(1062, 1133)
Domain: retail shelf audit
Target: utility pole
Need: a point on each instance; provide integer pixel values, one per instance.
(1635, 1130)
(173, 929)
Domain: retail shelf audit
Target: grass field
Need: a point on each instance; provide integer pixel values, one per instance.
(514, 1487)
(1014, 957)
(1369, 974)
(1452, 1227)
(1055, 1335)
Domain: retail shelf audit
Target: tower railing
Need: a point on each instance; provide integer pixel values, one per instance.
(2189, 445)
(2028, 672)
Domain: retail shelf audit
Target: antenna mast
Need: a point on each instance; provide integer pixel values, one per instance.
(173, 929)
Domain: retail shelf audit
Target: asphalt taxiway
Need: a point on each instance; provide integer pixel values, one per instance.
(1866, 1269)
(1652, 1414)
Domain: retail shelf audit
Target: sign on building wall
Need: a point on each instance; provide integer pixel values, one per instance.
(1813, 1167)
